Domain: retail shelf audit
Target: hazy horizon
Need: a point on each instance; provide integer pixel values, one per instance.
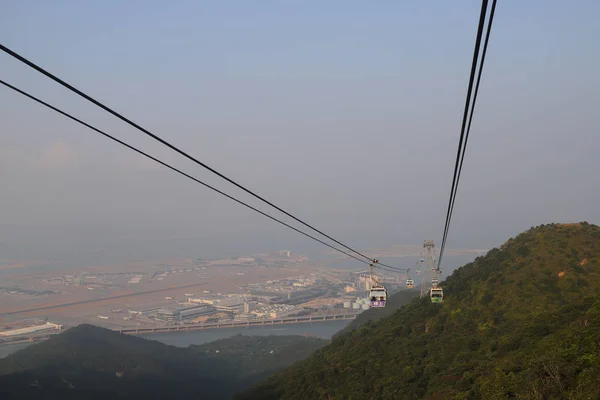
(346, 114)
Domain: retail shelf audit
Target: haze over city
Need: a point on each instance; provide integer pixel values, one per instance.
(346, 114)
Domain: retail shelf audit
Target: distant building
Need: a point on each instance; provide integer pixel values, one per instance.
(203, 301)
(192, 312)
(167, 314)
(365, 281)
(248, 308)
(231, 304)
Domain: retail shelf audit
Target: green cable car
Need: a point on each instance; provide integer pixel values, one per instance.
(436, 294)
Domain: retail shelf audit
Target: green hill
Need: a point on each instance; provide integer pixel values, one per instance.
(92, 362)
(521, 322)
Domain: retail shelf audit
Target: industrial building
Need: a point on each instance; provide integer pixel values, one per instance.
(170, 315)
(196, 311)
(231, 304)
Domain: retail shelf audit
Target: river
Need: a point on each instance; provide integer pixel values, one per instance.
(324, 330)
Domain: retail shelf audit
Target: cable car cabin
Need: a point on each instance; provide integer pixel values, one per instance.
(378, 296)
(437, 295)
(435, 282)
(410, 283)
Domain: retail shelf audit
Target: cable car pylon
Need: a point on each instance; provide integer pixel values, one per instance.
(430, 283)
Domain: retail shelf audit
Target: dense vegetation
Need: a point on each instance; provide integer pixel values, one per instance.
(91, 362)
(521, 322)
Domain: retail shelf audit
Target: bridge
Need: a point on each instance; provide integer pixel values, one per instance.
(238, 324)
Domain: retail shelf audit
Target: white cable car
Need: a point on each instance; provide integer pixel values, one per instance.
(378, 296)
(410, 283)
(437, 295)
(435, 282)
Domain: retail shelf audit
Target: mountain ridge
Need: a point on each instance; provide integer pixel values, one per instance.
(521, 321)
(92, 362)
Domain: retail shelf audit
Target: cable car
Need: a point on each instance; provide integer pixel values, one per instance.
(410, 283)
(437, 295)
(422, 260)
(435, 282)
(378, 296)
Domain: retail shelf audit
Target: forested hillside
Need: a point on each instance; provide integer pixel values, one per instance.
(521, 322)
(92, 362)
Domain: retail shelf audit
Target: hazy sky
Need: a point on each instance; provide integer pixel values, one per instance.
(346, 113)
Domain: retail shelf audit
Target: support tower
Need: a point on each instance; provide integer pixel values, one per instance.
(430, 274)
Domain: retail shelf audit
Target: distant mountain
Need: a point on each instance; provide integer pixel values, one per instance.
(88, 362)
(521, 322)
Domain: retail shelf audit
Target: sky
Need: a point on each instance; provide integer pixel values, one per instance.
(345, 113)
